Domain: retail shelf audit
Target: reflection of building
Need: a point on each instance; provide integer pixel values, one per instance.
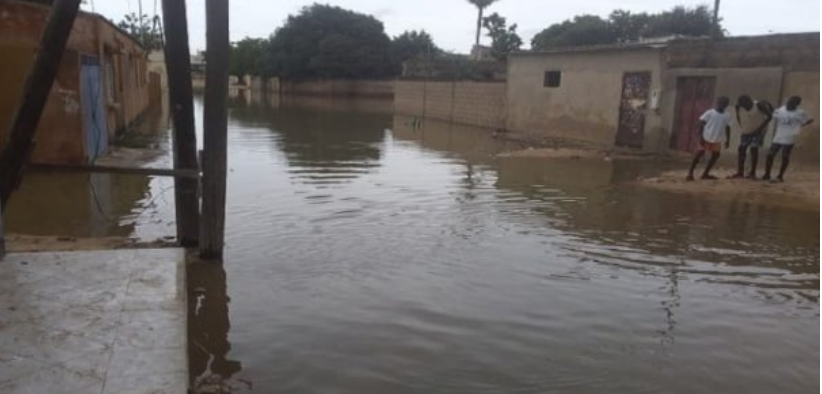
(89, 205)
(101, 88)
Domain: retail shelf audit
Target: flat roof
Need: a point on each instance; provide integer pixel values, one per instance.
(657, 44)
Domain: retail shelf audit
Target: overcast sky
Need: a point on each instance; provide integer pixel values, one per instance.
(452, 22)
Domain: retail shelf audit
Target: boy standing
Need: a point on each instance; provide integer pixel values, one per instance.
(714, 129)
(753, 118)
(789, 121)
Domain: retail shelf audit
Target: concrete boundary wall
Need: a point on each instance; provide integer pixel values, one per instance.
(479, 104)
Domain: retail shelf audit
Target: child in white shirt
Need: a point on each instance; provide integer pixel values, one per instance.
(790, 120)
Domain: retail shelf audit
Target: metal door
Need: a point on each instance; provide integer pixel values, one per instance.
(694, 96)
(94, 113)
(636, 88)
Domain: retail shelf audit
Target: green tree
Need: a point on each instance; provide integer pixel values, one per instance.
(628, 27)
(324, 41)
(624, 26)
(410, 45)
(145, 30)
(246, 56)
(683, 21)
(481, 6)
(582, 30)
(504, 39)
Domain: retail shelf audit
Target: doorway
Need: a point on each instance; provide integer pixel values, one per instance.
(694, 96)
(94, 114)
(633, 104)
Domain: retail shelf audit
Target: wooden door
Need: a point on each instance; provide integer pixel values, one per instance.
(636, 88)
(694, 96)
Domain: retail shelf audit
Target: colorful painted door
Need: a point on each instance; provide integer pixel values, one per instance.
(636, 88)
(694, 96)
(94, 112)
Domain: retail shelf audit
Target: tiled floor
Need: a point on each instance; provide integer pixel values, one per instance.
(93, 322)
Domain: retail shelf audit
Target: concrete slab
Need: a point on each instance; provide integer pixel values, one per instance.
(96, 322)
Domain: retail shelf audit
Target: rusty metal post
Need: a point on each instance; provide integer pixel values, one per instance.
(35, 93)
(215, 131)
(181, 101)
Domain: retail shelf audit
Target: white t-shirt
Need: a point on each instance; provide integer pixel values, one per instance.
(788, 124)
(715, 125)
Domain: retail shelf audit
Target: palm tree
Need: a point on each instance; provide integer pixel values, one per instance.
(481, 5)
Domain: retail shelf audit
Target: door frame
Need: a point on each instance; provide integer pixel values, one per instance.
(631, 144)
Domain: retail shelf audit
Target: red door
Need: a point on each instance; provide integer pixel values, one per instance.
(632, 107)
(694, 96)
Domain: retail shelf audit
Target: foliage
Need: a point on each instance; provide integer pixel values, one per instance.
(410, 45)
(481, 6)
(623, 27)
(324, 41)
(582, 30)
(504, 39)
(482, 3)
(682, 21)
(245, 57)
(145, 30)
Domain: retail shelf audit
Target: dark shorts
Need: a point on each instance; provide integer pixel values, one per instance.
(753, 140)
(785, 148)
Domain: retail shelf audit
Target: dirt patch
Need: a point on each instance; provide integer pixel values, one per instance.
(572, 153)
(29, 243)
(801, 188)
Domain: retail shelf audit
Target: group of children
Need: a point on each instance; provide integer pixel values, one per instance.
(753, 118)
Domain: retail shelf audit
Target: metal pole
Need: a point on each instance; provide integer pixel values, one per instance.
(215, 131)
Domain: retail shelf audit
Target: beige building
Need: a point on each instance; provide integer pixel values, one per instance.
(649, 95)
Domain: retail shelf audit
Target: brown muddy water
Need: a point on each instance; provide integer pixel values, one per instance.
(365, 255)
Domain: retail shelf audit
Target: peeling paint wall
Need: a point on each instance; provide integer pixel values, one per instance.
(60, 134)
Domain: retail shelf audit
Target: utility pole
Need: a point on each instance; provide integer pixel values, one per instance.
(716, 17)
(35, 93)
(184, 139)
(215, 131)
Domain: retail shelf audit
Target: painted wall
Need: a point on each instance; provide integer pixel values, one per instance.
(60, 136)
(479, 104)
(585, 107)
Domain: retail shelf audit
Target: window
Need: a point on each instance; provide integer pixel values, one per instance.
(552, 79)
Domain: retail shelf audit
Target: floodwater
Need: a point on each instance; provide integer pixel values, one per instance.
(368, 255)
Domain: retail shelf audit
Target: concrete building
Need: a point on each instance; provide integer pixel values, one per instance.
(649, 95)
(101, 90)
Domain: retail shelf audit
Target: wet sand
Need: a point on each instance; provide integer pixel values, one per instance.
(572, 153)
(801, 188)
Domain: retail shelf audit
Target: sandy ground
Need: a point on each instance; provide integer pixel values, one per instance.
(28, 243)
(801, 188)
(571, 153)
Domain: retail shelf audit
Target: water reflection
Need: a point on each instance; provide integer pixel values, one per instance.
(93, 204)
(88, 205)
(210, 368)
(323, 142)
